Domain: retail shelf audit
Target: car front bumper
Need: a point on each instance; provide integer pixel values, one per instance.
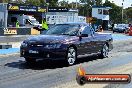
(43, 53)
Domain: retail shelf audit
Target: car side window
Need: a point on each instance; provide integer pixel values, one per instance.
(73, 30)
(92, 31)
(88, 30)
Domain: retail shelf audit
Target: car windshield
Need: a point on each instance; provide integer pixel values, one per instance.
(121, 25)
(63, 29)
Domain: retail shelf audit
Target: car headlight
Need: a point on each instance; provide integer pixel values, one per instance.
(24, 44)
(53, 46)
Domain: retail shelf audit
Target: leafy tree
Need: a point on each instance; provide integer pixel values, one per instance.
(115, 13)
(19, 1)
(53, 3)
(98, 2)
(7, 1)
(63, 4)
(43, 2)
(33, 2)
(86, 8)
(128, 14)
(73, 5)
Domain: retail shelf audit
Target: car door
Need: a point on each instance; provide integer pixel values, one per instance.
(86, 41)
(83, 46)
(94, 40)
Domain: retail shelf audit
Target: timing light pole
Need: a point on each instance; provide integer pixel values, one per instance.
(76, 4)
(122, 10)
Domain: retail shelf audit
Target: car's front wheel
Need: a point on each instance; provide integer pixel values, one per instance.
(71, 56)
(105, 51)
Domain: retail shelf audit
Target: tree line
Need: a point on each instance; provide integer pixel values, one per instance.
(85, 7)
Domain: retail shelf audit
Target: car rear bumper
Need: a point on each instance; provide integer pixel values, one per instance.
(45, 54)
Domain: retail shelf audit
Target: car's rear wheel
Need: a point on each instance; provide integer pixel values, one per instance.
(104, 51)
(124, 31)
(30, 60)
(71, 56)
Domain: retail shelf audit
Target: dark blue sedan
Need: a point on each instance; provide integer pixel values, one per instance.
(66, 42)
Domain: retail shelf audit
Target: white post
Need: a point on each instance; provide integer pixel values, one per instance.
(5, 17)
(76, 4)
(122, 10)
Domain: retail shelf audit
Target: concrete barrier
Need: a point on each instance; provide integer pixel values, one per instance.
(23, 31)
(18, 31)
(5, 46)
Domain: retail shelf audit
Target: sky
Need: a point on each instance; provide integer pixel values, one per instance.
(127, 3)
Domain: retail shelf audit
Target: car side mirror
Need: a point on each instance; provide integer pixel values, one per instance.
(82, 35)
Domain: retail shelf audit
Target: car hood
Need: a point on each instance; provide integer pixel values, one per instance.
(51, 39)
